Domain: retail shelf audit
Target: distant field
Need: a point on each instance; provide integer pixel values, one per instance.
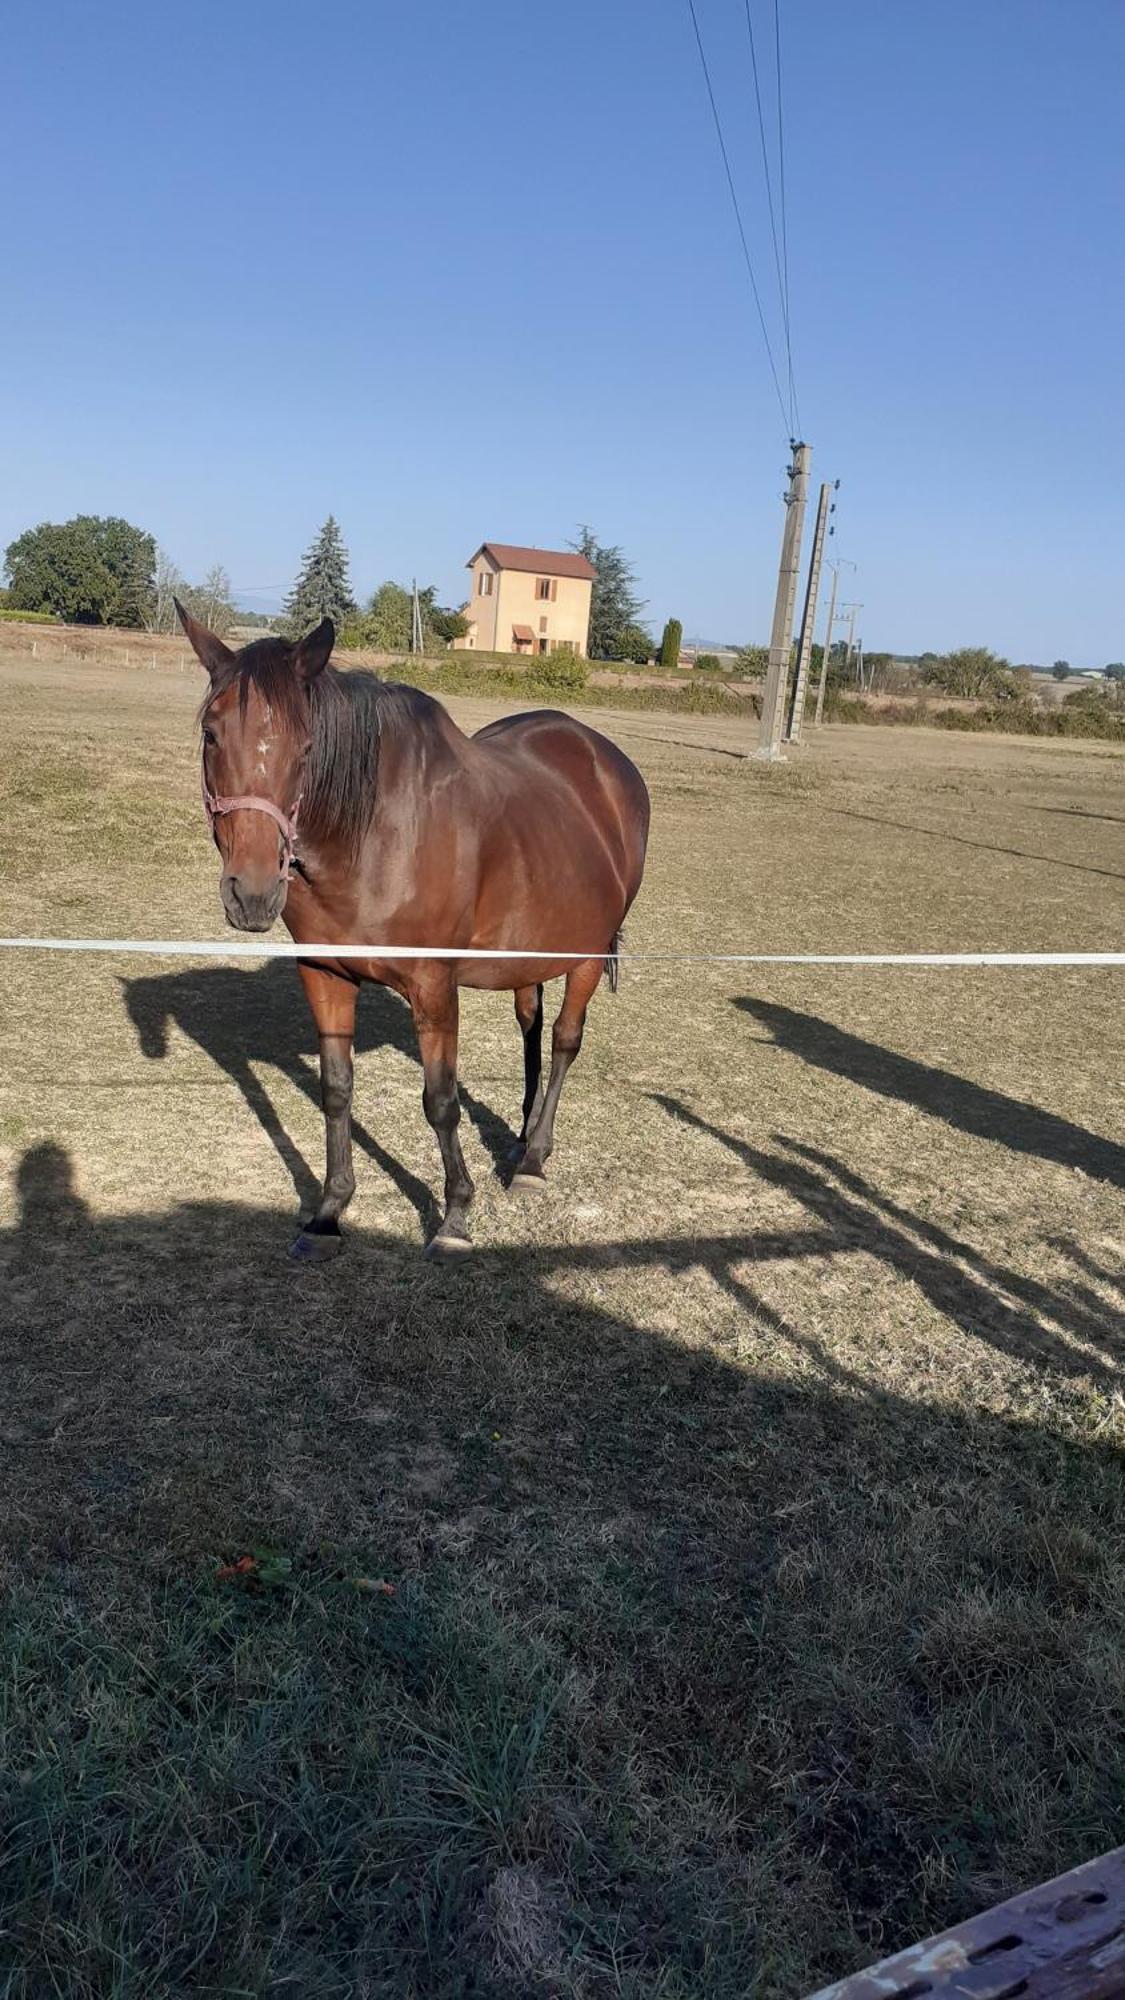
(751, 1507)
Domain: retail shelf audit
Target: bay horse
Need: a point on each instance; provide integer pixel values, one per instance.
(356, 811)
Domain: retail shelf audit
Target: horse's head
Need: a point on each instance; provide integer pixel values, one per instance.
(257, 731)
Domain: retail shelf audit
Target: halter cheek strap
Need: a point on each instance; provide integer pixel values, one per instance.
(215, 807)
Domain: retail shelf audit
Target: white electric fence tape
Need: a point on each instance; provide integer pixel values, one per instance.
(214, 948)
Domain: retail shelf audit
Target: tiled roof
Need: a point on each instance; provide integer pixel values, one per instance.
(541, 562)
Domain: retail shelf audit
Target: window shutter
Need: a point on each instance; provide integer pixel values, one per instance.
(554, 588)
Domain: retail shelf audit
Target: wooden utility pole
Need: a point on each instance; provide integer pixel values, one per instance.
(808, 619)
(769, 749)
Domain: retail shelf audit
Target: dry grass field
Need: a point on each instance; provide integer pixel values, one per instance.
(713, 1583)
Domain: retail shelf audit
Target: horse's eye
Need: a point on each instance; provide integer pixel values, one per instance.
(208, 736)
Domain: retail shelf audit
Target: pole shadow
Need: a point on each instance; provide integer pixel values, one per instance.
(968, 1107)
(963, 840)
(988, 1301)
(1081, 812)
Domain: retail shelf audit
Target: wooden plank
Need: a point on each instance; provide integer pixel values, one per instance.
(1063, 1941)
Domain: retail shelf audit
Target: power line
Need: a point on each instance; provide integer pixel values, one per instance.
(738, 215)
(781, 175)
(781, 293)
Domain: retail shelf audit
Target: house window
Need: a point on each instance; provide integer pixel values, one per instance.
(547, 588)
(544, 645)
(484, 583)
(542, 624)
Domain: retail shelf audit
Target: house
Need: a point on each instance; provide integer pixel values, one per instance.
(527, 600)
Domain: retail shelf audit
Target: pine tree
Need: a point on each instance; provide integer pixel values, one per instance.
(323, 588)
(670, 645)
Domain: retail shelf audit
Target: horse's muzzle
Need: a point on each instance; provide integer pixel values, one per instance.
(250, 908)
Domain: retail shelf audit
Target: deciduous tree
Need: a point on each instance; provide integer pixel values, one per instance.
(93, 570)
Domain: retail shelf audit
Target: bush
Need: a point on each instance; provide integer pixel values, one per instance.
(446, 624)
(972, 671)
(558, 673)
(29, 617)
(698, 698)
(708, 663)
(1094, 695)
(752, 662)
(634, 643)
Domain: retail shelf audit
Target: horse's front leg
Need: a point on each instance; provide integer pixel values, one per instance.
(333, 1002)
(434, 1005)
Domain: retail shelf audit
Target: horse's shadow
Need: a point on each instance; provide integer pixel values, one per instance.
(242, 1018)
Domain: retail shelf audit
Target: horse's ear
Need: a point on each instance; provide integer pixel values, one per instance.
(314, 651)
(208, 648)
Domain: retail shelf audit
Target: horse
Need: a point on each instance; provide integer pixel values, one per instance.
(357, 811)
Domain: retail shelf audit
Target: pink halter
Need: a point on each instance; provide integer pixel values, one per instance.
(248, 802)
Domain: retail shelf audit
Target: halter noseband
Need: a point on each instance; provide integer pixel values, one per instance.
(215, 807)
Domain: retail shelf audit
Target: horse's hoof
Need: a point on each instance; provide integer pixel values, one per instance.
(440, 1248)
(529, 1183)
(311, 1247)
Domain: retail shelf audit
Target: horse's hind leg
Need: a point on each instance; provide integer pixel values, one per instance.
(333, 1002)
(529, 1014)
(566, 1040)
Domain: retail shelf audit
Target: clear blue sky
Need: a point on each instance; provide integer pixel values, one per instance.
(458, 271)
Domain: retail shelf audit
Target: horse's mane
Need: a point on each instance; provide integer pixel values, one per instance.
(351, 713)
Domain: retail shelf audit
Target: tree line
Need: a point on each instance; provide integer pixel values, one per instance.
(101, 570)
(96, 570)
(976, 672)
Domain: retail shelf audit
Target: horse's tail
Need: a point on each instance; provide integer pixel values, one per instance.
(613, 964)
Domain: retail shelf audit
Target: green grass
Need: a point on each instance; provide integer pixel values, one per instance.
(689, 1760)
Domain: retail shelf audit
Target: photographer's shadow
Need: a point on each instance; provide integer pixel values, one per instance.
(244, 1018)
